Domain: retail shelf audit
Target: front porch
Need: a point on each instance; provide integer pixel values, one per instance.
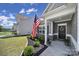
(57, 37)
(58, 32)
(58, 48)
(60, 24)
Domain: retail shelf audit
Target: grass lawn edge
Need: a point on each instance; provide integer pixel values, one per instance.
(25, 46)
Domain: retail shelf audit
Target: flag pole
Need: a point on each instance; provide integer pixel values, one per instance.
(36, 29)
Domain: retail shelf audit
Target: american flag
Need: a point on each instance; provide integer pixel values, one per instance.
(35, 26)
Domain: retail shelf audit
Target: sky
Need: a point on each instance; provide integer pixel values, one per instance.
(8, 12)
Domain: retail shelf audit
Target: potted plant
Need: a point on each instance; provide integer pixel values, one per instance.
(28, 51)
(67, 42)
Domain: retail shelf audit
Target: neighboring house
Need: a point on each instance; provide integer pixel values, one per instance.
(23, 25)
(60, 22)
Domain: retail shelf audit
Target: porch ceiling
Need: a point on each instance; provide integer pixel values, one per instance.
(62, 13)
(62, 18)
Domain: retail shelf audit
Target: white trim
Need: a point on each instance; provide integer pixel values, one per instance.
(62, 24)
(73, 41)
(51, 27)
(62, 20)
(60, 13)
(55, 33)
(45, 9)
(50, 34)
(50, 7)
(78, 29)
(45, 32)
(55, 10)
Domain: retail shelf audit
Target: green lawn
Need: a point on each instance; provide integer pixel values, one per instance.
(5, 33)
(12, 46)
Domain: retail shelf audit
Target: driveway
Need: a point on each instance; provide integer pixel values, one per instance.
(57, 48)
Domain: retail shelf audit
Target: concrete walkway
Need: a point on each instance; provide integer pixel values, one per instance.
(57, 48)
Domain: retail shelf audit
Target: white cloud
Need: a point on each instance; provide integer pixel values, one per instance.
(3, 17)
(11, 16)
(6, 22)
(31, 10)
(22, 10)
(28, 11)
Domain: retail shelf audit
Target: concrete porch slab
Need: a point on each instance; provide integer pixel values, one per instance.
(57, 48)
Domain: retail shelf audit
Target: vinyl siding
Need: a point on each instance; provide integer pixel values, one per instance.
(74, 25)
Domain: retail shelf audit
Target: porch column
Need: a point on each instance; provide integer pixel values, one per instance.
(45, 32)
(51, 28)
(78, 30)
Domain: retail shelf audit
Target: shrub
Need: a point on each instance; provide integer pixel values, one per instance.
(36, 39)
(37, 44)
(41, 38)
(28, 51)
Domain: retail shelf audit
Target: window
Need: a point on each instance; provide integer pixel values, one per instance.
(43, 32)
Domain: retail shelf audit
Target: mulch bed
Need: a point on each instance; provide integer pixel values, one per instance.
(40, 42)
(38, 50)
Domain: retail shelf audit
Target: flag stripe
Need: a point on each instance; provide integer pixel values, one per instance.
(35, 27)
